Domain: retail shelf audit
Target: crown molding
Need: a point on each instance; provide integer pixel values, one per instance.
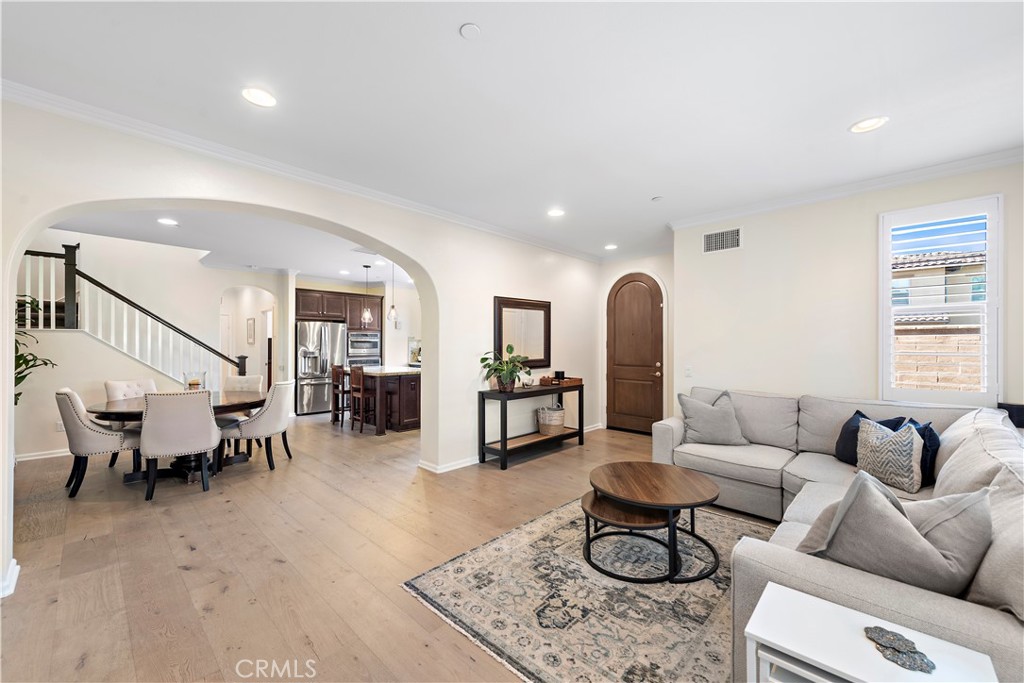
(979, 163)
(18, 93)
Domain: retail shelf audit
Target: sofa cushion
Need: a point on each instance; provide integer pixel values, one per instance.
(819, 467)
(937, 545)
(752, 463)
(789, 534)
(893, 457)
(821, 418)
(711, 424)
(953, 436)
(813, 498)
(987, 449)
(999, 582)
(849, 433)
(767, 418)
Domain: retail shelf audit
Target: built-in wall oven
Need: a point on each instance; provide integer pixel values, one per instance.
(364, 348)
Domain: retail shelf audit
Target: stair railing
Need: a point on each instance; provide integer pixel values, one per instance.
(108, 315)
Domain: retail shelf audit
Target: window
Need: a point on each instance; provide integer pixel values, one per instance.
(939, 302)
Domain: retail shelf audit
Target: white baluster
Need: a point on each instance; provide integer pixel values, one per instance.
(149, 340)
(28, 289)
(40, 267)
(113, 321)
(83, 312)
(53, 293)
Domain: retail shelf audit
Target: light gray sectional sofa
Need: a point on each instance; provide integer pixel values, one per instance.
(792, 442)
(789, 472)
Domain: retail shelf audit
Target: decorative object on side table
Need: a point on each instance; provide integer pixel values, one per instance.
(899, 649)
(194, 381)
(505, 370)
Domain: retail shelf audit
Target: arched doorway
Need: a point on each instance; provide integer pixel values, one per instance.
(635, 360)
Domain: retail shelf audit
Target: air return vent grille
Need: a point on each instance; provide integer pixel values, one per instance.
(719, 241)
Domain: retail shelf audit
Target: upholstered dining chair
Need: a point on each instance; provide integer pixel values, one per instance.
(270, 421)
(240, 383)
(178, 423)
(87, 437)
(118, 389)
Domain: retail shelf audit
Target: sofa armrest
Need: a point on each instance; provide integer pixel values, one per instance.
(665, 436)
(755, 563)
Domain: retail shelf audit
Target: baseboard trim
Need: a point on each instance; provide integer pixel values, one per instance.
(457, 465)
(593, 428)
(10, 578)
(41, 454)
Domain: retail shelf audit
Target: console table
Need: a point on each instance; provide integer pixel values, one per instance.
(505, 445)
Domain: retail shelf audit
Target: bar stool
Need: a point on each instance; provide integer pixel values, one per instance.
(362, 401)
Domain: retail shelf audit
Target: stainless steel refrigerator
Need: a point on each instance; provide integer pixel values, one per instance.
(318, 346)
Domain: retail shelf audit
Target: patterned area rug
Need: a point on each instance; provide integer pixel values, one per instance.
(530, 599)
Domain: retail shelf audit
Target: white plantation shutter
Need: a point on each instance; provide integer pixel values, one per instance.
(939, 302)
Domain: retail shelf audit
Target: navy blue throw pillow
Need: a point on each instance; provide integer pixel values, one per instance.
(846, 444)
(929, 452)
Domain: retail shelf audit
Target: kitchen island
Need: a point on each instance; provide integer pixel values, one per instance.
(397, 393)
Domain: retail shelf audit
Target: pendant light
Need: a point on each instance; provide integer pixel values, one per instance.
(367, 316)
(392, 314)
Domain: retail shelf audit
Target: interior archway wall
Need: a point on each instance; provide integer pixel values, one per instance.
(55, 167)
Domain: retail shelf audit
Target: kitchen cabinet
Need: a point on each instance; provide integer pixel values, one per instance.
(356, 304)
(403, 397)
(312, 304)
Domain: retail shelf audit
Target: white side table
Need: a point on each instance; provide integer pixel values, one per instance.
(792, 636)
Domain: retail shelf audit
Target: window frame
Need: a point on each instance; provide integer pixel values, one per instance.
(992, 206)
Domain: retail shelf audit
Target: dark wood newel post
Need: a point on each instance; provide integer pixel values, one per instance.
(241, 365)
(71, 286)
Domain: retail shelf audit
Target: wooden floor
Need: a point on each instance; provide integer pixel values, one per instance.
(302, 563)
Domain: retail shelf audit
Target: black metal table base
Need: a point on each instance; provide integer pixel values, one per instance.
(675, 560)
(184, 467)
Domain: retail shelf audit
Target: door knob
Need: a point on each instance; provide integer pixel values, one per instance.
(655, 374)
(658, 364)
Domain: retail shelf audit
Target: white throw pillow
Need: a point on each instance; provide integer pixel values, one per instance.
(713, 424)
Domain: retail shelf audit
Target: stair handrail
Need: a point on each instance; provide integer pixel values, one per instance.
(239, 363)
(71, 271)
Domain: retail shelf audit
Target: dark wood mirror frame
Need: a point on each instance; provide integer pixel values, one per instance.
(502, 303)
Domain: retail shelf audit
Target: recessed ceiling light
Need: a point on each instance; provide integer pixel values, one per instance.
(555, 212)
(656, 199)
(167, 221)
(343, 272)
(469, 31)
(868, 125)
(609, 247)
(379, 262)
(259, 97)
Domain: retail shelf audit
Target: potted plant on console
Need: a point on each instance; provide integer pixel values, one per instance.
(505, 370)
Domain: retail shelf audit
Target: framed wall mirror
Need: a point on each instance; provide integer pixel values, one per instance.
(526, 325)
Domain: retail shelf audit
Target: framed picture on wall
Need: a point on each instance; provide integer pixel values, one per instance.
(250, 331)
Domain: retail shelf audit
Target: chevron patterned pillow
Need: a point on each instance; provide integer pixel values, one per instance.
(891, 457)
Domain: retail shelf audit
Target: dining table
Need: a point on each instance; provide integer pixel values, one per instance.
(183, 467)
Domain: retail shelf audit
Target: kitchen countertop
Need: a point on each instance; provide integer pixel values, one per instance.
(389, 370)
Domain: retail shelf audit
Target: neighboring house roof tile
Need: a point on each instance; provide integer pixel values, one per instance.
(936, 259)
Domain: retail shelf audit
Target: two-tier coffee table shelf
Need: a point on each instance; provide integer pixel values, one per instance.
(506, 445)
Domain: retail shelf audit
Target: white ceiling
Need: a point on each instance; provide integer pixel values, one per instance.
(595, 107)
(250, 242)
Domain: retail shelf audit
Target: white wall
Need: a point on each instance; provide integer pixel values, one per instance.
(795, 310)
(55, 167)
(396, 340)
(83, 364)
(240, 304)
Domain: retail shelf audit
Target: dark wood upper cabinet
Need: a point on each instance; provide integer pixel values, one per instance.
(309, 304)
(313, 304)
(356, 304)
(335, 305)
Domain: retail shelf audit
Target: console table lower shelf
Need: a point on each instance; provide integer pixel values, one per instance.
(507, 445)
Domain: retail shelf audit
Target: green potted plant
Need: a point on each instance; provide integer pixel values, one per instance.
(506, 370)
(24, 360)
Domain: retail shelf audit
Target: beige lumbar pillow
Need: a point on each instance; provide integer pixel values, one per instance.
(934, 544)
(713, 424)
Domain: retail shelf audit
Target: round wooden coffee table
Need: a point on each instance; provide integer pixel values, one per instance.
(634, 497)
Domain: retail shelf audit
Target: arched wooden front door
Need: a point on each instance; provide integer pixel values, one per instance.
(635, 365)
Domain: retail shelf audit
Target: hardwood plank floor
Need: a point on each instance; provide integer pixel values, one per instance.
(302, 563)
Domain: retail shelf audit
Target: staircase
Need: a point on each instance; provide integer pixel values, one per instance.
(111, 317)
